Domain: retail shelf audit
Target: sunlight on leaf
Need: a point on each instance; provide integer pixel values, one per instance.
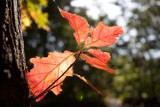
(47, 69)
(99, 60)
(79, 24)
(103, 36)
(100, 36)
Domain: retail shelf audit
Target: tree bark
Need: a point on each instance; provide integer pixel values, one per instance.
(13, 86)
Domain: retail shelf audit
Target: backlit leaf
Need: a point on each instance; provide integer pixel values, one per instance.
(78, 23)
(47, 69)
(99, 60)
(103, 36)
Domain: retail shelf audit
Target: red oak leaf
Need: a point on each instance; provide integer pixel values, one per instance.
(100, 36)
(103, 36)
(47, 69)
(99, 60)
(78, 23)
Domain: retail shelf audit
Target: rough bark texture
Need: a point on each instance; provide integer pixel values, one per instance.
(13, 87)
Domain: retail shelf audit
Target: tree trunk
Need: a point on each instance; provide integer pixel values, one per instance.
(13, 86)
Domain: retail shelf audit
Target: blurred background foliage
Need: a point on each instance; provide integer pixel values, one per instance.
(135, 57)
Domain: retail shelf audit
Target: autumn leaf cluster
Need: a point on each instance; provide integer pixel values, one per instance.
(49, 72)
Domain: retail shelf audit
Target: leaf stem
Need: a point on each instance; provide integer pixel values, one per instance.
(89, 83)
